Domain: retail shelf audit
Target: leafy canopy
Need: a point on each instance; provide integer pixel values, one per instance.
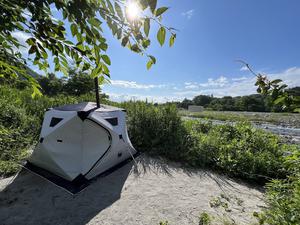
(48, 39)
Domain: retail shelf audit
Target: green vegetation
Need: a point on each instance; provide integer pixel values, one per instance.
(49, 40)
(157, 130)
(250, 103)
(204, 219)
(238, 150)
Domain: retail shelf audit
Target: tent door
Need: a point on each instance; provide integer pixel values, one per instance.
(96, 144)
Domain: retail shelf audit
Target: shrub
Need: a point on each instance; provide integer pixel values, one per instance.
(283, 196)
(17, 132)
(239, 150)
(157, 130)
(204, 219)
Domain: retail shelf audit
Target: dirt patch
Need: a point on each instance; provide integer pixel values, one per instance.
(143, 194)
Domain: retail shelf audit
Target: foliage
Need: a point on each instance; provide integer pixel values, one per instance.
(283, 196)
(157, 130)
(16, 136)
(78, 83)
(48, 39)
(204, 219)
(238, 150)
(202, 100)
(250, 103)
(163, 223)
(50, 85)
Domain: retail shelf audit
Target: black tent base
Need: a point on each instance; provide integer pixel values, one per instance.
(75, 186)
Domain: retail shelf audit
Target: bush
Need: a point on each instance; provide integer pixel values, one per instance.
(283, 196)
(17, 132)
(157, 130)
(238, 150)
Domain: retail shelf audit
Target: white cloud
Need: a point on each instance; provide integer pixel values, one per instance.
(150, 98)
(188, 14)
(239, 78)
(135, 85)
(191, 86)
(219, 82)
(244, 68)
(290, 76)
(219, 87)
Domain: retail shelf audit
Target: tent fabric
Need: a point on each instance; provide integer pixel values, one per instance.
(71, 145)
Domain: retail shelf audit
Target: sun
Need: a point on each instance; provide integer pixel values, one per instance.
(132, 10)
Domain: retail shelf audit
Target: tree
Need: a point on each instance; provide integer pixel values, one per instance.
(49, 41)
(51, 85)
(202, 100)
(78, 83)
(185, 103)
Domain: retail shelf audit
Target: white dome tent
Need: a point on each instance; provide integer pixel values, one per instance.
(80, 141)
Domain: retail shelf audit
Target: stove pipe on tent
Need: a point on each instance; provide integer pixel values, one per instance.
(82, 140)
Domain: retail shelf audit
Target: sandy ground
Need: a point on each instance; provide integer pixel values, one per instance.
(148, 193)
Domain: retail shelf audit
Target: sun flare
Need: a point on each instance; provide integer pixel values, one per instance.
(133, 10)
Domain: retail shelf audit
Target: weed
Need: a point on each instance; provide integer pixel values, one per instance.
(204, 219)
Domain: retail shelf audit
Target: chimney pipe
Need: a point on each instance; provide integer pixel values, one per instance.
(97, 92)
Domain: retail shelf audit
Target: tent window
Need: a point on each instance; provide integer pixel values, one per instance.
(112, 121)
(54, 121)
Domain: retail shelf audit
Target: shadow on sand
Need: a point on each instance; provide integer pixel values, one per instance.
(29, 199)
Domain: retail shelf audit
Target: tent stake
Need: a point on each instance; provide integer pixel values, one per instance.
(97, 92)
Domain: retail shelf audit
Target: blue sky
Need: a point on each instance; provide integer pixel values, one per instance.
(212, 35)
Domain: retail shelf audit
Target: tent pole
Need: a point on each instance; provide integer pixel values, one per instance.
(97, 92)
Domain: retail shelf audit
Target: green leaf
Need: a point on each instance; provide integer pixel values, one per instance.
(103, 46)
(147, 26)
(135, 48)
(160, 11)
(279, 100)
(152, 4)
(161, 36)
(119, 10)
(110, 7)
(276, 81)
(95, 22)
(96, 71)
(30, 41)
(146, 43)
(149, 64)
(125, 41)
(73, 29)
(32, 49)
(152, 58)
(106, 59)
(172, 40)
